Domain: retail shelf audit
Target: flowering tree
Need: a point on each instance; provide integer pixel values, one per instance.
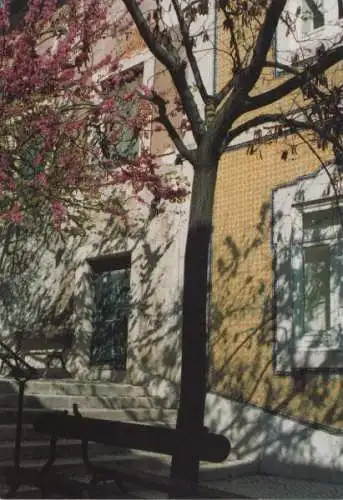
(58, 122)
(58, 116)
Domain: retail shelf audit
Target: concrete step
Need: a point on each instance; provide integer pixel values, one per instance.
(8, 415)
(65, 402)
(68, 387)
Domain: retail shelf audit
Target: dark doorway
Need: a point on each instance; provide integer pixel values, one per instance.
(111, 282)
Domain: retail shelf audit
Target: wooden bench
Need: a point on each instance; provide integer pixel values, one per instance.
(211, 447)
(47, 346)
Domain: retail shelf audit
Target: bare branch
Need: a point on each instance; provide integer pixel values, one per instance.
(283, 67)
(166, 57)
(165, 121)
(291, 123)
(325, 62)
(263, 43)
(245, 80)
(176, 67)
(224, 91)
(236, 56)
(331, 179)
(187, 40)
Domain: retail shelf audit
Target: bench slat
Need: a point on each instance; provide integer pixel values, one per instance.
(209, 447)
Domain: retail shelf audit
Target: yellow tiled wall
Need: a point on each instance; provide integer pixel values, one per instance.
(242, 329)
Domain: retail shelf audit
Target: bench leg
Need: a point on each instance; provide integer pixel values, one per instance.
(98, 474)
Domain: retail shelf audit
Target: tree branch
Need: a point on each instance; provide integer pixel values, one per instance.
(175, 66)
(189, 51)
(217, 99)
(237, 62)
(165, 121)
(280, 118)
(282, 67)
(163, 55)
(245, 80)
(263, 44)
(327, 171)
(325, 62)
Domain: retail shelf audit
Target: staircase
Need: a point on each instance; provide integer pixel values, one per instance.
(110, 401)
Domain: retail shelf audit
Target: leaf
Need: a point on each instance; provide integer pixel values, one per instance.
(284, 155)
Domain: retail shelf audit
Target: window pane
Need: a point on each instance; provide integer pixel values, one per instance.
(312, 15)
(112, 298)
(316, 288)
(127, 144)
(322, 225)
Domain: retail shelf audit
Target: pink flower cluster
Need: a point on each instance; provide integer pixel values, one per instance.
(59, 115)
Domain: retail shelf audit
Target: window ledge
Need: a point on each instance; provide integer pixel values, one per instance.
(329, 36)
(319, 31)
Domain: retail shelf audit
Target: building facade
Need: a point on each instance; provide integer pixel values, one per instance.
(277, 280)
(275, 339)
(113, 291)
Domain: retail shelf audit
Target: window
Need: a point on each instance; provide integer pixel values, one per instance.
(312, 14)
(139, 69)
(18, 10)
(127, 143)
(306, 25)
(308, 286)
(317, 301)
(28, 168)
(111, 287)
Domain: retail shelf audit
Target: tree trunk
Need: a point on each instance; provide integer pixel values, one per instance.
(185, 462)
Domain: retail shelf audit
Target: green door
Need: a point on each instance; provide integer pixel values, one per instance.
(112, 299)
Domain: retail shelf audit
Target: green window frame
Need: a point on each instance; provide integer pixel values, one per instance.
(317, 282)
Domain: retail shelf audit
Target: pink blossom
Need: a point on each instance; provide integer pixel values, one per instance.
(42, 179)
(145, 90)
(107, 105)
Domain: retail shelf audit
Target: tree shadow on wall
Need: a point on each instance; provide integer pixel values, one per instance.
(46, 288)
(243, 369)
(37, 269)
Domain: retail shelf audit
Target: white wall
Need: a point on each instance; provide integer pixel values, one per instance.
(278, 445)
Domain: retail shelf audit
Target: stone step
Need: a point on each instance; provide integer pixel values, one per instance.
(67, 387)
(65, 402)
(8, 415)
